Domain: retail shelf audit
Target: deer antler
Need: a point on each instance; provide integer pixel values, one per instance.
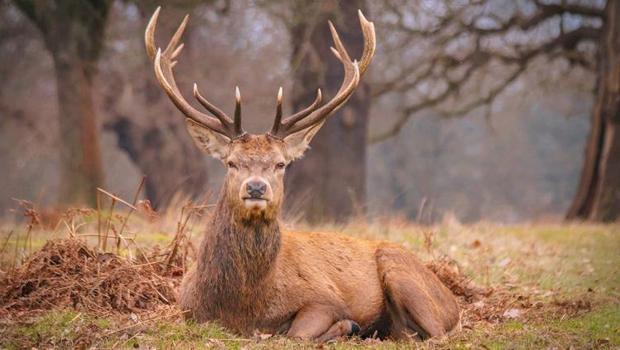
(353, 70)
(165, 61)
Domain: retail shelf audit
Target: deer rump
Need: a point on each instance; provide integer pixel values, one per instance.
(322, 286)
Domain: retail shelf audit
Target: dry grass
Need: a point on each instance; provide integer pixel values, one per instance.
(107, 278)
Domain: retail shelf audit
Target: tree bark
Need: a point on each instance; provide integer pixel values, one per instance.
(73, 32)
(598, 193)
(329, 182)
(80, 154)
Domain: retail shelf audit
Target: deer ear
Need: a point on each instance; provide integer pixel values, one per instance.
(215, 144)
(297, 143)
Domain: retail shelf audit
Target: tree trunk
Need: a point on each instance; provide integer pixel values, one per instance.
(329, 182)
(80, 155)
(598, 194)
(73, 32)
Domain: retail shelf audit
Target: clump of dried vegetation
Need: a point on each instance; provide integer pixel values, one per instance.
(101, 273)
(67, 272)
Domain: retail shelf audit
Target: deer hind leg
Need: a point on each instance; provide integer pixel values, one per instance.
(321, 323)
(417, 301)
(339, 329)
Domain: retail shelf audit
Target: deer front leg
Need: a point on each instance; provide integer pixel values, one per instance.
(320, 322)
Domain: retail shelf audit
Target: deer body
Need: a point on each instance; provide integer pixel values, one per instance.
(250, 275)
(277, 275)
(267, 296)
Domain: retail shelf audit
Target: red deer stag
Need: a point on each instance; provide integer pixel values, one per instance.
(252, 276)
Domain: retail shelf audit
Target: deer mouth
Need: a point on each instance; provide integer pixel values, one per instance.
(255, 203)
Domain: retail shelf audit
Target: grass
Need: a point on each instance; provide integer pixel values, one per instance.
(596, 329)
(556, 265)
(592, 330)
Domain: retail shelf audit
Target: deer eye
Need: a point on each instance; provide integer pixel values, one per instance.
(232, 165)
(280, 165)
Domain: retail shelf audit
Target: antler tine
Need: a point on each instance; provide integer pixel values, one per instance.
(174, 41)
(149, 34)
(238, 130)
(370, 44)
(278, 118)
(304, 112)
(180, 103)
(353, 70)
(224, 119)
(279, 125)
(177, 51)
(319, 115)
(163, 65)
(342, 51)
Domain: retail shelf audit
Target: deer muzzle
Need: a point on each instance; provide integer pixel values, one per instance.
(256, 193)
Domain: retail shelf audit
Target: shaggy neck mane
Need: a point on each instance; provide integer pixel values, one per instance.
(237, 253)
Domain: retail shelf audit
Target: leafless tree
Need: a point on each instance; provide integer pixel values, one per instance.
(457, 57)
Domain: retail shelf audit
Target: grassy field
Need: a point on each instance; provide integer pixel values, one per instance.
(563, 281)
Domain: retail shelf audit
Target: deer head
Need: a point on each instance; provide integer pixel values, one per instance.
(256, 163)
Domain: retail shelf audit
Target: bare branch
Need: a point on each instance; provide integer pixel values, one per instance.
(460, 41)
(576, 9)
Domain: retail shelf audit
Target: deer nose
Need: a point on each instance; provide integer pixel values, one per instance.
(256, 189)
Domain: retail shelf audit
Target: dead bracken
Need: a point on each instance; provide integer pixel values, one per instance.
(462, 286)
(67, 272)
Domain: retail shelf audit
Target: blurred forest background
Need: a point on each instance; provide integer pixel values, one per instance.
(486, 110)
